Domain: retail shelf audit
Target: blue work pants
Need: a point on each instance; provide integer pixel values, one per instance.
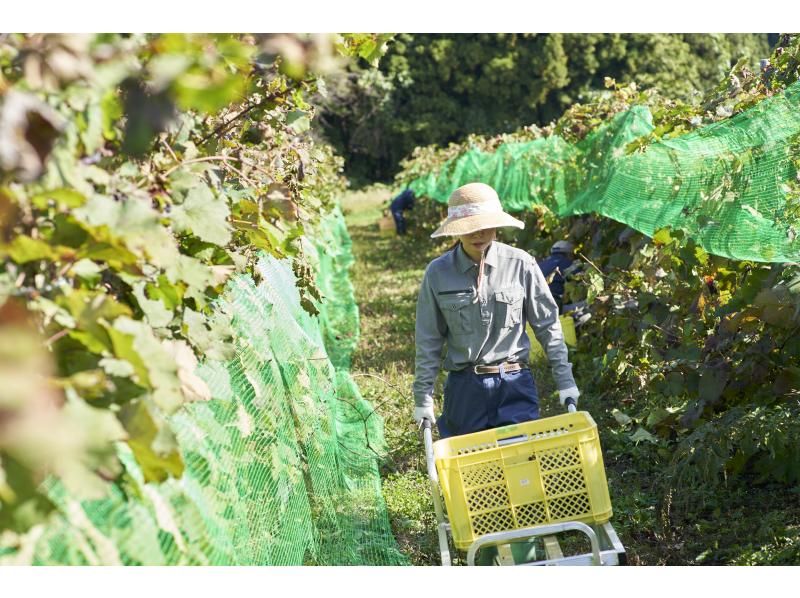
(475, 402)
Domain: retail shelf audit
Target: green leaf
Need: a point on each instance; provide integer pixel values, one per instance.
(657, 415)
(92, 137)
(158, 316)
(622, 419)
(117, 367)
(165, 68)
(117, 256)
(92, 310)
(215, 341)
(642, 435)
(169, 294)
(208, 92)
(203, 215)
(21, 504)
(135, 222)
(63, 198)
(141, 347)
(712, 383)
(193, 273)
(193, 387)
(674, 384)
(24, 249)
(87, 271)
(68, 232)
(124, 350)
(111, 110)
(89, 384)
(662, 237)
(52, 312)
(298, 121)
(152, 442)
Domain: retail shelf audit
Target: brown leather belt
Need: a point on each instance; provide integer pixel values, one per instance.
(495, 369)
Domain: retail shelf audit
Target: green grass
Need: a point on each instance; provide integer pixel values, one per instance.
(363, 208)
(386, 276)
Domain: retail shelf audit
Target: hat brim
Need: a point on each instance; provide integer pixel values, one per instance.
(471, 224)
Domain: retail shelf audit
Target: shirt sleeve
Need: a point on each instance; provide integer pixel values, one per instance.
(431, 332)
(542, 313)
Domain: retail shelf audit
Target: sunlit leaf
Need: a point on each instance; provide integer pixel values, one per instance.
(205, 216)
(24, 249)
(156, 313)
(152, 443)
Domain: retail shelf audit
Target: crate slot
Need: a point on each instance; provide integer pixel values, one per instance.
(569, 507)
(493, 521)
(568, 481)
(481, 474)
(558, 458)
(488, 497)
(530, 514)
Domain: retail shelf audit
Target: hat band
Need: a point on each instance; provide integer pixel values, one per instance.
(474, 209)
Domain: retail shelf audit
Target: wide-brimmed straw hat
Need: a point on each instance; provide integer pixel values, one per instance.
(474, 207)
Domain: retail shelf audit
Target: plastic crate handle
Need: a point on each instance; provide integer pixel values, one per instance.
(512, 439)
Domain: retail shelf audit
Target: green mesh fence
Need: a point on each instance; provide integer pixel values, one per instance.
(731, 186)
(281, 465)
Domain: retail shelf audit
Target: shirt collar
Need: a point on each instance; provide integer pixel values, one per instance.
(464, 263)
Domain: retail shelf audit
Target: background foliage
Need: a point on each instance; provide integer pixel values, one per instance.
(432, 89)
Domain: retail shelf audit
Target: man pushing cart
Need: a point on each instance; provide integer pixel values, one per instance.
(502, 471)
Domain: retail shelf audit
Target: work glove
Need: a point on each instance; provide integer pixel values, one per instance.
(569, 393)
(421, 413)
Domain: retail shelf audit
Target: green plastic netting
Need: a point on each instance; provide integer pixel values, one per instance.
(281, 464)
(728, 185)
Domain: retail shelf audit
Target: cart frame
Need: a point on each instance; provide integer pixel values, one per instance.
(606, 548)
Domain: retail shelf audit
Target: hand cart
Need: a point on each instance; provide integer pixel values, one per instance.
(531, 485)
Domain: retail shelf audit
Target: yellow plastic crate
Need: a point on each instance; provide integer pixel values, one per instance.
(537, 472)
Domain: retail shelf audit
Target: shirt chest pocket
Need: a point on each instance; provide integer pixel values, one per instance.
(508, 306)
(458, 313)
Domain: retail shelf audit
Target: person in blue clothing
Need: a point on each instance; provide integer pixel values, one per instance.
(554, 266)
(404, 201)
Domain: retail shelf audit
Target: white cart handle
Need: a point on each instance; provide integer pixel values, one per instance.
(428, 436)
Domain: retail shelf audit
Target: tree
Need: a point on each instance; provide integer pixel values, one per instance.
(434, 88)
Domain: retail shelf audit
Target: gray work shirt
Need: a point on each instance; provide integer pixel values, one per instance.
(490, 330)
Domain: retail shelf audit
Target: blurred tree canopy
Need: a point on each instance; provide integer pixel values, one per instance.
(438, 88)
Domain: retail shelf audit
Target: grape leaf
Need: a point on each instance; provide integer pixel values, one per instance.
(152, 442)
(203, 215)
(144, 350)
(24, 249)
(158, 316)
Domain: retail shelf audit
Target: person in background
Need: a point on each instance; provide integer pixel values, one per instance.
(475, 300)
(554, 268)
(404, 201)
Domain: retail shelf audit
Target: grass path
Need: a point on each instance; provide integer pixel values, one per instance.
(386, 277)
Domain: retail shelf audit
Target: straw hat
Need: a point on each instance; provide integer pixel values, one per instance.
(474, 207)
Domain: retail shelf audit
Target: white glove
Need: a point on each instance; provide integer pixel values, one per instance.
(421, 413)
(569, 393)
